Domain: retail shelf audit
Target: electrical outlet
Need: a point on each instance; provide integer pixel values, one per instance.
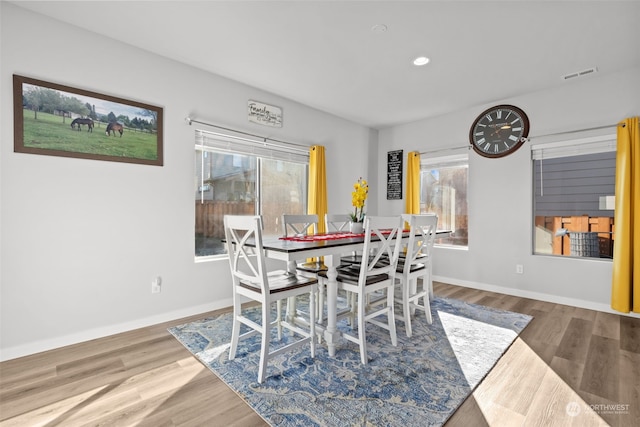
(156, 285)
(519, 269)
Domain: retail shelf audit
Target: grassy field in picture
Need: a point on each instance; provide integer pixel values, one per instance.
(50, 133)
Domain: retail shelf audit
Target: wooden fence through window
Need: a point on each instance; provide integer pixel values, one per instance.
(210, 215)
(561, 245)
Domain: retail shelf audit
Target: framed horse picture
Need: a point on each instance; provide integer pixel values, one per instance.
(58, 120)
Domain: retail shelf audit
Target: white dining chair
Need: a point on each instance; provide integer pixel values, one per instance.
(293, 225)
(335, 223)
(253, 282)
(372, 281)
(298, 225)
(340, 223)
(416, 263)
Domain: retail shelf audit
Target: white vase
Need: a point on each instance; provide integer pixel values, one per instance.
(356, 227)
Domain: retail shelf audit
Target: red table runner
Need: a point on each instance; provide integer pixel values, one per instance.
(320, 237)
(327, 236)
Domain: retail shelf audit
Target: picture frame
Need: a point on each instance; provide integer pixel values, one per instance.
(394, 175)
(58, 120)
(264, 114)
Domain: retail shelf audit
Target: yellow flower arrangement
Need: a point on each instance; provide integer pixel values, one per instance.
(358, 197)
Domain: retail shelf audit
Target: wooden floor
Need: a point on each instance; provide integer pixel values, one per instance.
(569, 367)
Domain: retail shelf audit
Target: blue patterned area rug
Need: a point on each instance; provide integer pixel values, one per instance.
(421, 382)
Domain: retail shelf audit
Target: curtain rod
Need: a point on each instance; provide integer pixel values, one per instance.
(263, 138)
(579, 130)
(446, 149)
(533, 137)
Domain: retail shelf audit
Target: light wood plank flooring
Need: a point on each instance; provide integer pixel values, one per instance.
(569, 367)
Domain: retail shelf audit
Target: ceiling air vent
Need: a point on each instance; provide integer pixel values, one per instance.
(580, 73)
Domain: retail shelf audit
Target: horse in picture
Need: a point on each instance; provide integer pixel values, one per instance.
(79, 122)
(113, 127)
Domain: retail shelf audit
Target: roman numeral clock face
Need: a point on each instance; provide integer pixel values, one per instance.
(499, 131)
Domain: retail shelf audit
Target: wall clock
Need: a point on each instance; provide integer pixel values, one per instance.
(499, 131)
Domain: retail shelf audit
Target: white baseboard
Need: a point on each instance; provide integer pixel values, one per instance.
(91, 334)
(574, 302)
(50, 344)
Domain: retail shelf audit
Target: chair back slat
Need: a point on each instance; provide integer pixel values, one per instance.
(383, 255)
(299, 224)
(422, 234)
(246, 262)
(336, 222)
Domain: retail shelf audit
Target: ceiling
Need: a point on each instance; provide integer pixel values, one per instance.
(325, 54)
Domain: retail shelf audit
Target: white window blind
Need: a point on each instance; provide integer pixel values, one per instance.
(445, 161)
(591, 145)
(570, 176)
(214, 141)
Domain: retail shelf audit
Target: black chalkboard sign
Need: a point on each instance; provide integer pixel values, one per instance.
(394, 175)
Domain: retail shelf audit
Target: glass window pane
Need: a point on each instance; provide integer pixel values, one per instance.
(573, 205)
(225, 184)
(283, 190)
(443, 191)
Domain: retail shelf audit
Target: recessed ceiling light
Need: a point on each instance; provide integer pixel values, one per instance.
(379, 28)
(420, 60)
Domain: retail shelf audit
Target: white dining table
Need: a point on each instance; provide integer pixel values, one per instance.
(292, 251)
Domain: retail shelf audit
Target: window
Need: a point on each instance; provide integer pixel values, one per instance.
(574, 186)
(240, 177)
(443, 191)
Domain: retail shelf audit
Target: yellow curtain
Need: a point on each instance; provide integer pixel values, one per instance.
(412, 201)
(317, 194)
(625, 286)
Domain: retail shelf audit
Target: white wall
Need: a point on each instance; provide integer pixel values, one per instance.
(500, 195)
(82, 239)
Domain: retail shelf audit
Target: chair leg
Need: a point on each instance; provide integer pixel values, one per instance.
(391, 318)
(406, 311)
(264, 350)
(413, 290)
(320, 317)
(427, 309)
(321, 291)
(361, 329)
(235, 333)
(352, 302)
(427, 297)
(312, 323)
(279, 318)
